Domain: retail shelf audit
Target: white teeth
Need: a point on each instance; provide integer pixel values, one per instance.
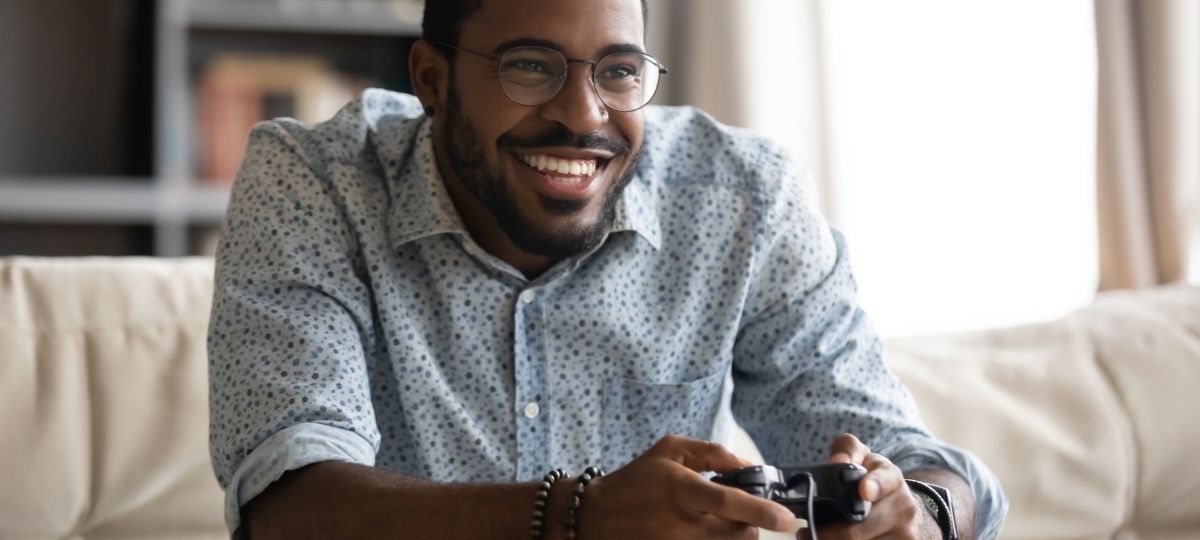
(574, 167)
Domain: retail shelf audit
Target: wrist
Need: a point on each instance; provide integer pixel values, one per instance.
(926, 519)
(576, 502)
(937, 505)
(556, 509)
(591, 514)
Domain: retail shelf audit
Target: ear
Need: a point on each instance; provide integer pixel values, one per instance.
(429, 70)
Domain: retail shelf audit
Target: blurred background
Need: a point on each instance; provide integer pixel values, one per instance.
(992, 162)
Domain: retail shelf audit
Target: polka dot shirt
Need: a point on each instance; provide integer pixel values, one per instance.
(356, 320)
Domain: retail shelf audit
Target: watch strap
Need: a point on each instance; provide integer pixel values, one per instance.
(937, 500)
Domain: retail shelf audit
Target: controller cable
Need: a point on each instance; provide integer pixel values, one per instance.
(812, 492)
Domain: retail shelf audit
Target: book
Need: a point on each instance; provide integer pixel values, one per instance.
(236, 91)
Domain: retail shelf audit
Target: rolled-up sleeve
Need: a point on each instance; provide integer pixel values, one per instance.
(808, 365)
(290, 328)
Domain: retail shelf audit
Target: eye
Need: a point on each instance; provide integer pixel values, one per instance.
(528, 65)
(619, 72)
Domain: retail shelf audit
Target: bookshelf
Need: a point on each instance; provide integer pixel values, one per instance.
(160, 189)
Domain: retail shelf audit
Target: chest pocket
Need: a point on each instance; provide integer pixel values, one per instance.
(637, 414)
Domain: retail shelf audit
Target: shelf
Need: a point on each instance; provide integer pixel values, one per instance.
(150, 193)
(308, 16)
(205, 204)
(108, 200)
(56, 200)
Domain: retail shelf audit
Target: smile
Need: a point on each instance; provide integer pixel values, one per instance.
(571, 171)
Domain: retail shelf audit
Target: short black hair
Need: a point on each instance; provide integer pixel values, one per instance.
(443, 19)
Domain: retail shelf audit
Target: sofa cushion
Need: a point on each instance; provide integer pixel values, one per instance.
(104, 379)
(1088, 421)
(1148, 344)
(1033, 404)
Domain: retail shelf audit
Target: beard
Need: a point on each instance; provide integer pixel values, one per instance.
(465, 149)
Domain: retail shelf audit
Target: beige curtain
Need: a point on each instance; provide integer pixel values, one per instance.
(1148, 140)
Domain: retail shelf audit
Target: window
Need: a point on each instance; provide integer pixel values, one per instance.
(961, 153)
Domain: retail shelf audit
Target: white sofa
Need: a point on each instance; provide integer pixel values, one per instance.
(1090, 421)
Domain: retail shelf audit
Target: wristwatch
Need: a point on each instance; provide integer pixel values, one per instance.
(937, 500)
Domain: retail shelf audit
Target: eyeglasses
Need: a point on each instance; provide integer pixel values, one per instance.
(529, 75)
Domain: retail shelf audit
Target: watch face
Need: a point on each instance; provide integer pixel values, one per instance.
(931, 504)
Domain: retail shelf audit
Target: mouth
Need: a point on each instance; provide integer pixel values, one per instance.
(563, 177)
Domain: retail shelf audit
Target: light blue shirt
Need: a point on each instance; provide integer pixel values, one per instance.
(355, 319)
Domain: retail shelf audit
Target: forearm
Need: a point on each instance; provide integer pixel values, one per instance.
(964, 498)
(344, 500)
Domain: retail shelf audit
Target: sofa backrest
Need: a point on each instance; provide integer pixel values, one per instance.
(1091, 422)
(103, 399)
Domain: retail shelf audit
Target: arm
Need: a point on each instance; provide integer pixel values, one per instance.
(657, 495)
(808, 366)
(292, 326)
(346, 500)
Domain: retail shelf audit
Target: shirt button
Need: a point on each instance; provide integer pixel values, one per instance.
(528, 295)
(532, 409)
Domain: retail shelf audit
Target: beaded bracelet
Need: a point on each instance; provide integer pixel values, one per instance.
(577, 498)
(538, 527)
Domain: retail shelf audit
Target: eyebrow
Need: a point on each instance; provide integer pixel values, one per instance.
(550, 44)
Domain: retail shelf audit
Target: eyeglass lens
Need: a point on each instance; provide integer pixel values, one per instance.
(534, 75)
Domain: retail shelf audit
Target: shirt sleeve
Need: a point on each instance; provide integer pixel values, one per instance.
(808, 365)
(290, 326)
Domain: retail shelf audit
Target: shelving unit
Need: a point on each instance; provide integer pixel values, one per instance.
(172, 199)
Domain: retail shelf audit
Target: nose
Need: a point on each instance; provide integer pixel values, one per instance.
(576, 106)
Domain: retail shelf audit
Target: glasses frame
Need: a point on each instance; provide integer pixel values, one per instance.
(662, 70)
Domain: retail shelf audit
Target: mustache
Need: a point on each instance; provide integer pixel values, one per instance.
(559, 136)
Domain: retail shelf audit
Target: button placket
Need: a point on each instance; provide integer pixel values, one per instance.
(532, 429)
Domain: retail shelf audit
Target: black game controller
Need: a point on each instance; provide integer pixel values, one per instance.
(834, 489)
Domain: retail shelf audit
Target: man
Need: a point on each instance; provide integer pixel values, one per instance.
(421, 308)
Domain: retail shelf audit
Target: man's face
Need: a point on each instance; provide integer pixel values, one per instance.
(511, 156)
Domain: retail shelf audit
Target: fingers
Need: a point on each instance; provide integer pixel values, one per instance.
(846, 448)
(699, 456)
(895, 517)
(893, 509)
(883, 478)
(716, 527)
(700, 495)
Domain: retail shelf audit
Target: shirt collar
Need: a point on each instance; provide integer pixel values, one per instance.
(422, 207)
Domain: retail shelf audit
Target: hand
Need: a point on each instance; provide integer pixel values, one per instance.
(894, 514)
(661, 495)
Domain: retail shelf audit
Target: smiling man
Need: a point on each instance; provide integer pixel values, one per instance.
(426, 304)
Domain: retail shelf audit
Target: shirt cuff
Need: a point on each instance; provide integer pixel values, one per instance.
(290, 449)
(991, 506)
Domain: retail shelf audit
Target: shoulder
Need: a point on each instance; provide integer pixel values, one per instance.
(685, 145)
(687, 148)
(351, 136)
